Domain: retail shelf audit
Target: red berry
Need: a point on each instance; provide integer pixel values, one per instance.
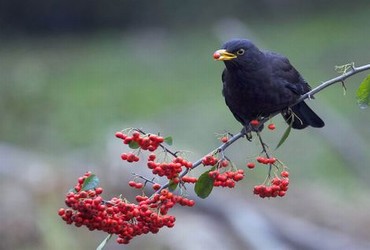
(254, 123)
(285, 182)
(83, 194)
(282, 193)
(160, 139)
(136, 135)
(251, 165)
(271, 126)
(61, 211)
(238, 177)
(127, 140)
(156, 186)
(276, 181)
(213, 174)
(284, 174)
(224, 163)
(216, 55)
(124, 156)
(224, 139)
(132, 158)
(120, 135)
(98, 190)
(261, 159)
(132, 184)
(151, 157)
(271, 160)
(191, 203)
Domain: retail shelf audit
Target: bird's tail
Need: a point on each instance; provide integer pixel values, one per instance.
(303, 116)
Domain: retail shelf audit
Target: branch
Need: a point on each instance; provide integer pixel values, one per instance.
(248, 129)
(326, 84)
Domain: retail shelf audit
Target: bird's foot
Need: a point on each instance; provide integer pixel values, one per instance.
(248, 133)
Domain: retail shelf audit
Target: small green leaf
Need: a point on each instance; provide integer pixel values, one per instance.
(168, 140)
(104, 242)
(204, 185)
(172, 186)
(90, 182)
(363, 93)
(73, 190)
(133, 145)
(286, 133)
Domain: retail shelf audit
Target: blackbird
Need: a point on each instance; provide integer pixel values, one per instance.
(259, 83)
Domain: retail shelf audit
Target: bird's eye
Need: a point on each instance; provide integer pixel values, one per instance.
(240, 52)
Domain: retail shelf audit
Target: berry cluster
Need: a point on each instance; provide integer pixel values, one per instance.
(189, 179)
(227, 178)
(164, 200)
(86, 207)
(134, 184)
(265, 160)
(277, 186)
(129, 157)
(169, 169)
(209, 160)
(145, 142)
(118, 216)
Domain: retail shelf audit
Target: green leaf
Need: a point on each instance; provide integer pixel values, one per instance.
(204, 185)
(286, 133)
(73, 190)
(172, 186)
(168, 140)
(133, 145)
(104, 242)
(363, 93)
(90, 182)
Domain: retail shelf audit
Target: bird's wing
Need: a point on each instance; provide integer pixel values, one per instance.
(282, 69)
(227, 101)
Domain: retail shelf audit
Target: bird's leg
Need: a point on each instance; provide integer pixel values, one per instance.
(247, 132)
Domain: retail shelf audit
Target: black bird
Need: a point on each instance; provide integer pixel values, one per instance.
(257, 84)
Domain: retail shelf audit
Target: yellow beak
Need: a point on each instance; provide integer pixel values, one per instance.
(223, 55)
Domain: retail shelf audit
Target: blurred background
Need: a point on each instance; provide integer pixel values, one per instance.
(72, 73)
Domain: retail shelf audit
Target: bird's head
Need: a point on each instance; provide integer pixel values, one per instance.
(238, 52)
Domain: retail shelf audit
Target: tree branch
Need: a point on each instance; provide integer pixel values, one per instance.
(248, 129)
(340, 78)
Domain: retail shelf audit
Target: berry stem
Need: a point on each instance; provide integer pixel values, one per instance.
(264, 150)
(144, 178)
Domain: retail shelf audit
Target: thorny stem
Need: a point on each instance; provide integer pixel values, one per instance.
(248, 129)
